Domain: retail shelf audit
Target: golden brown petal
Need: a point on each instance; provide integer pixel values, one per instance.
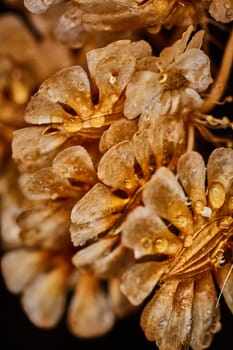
(46, 226)
(219, 175)
(19, 267)
(34, 148)
(63, 97)
(192, 173)
(139, 280)
(164, 195)
(96, 212)
(157, 313)
(87, 256)
(205, 313)
(121, 130)
(75, 164)
(116, 167)
(47, 184)
(167, 318)
(44, 299)
(120, 304)
(90, 313)
(146, 234)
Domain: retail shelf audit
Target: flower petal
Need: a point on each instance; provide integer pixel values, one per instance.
(139, 280)
(146, 234)
(90, 313)
(166, 197)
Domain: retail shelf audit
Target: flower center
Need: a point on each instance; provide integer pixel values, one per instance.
(173, 79)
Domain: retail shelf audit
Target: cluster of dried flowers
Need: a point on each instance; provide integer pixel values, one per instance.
(108, 197)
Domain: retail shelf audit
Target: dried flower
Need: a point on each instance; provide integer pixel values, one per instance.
(170, 82)
(23, 66)
(183, 228)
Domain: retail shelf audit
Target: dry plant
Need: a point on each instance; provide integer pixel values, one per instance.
(117, 165)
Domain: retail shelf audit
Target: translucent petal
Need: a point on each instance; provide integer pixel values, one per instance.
(74, 163)
(46, 226)
(221, 11)
(47, 184)
(196, 67)
(139, 280)
(167, 318)
(164, 195)
(167, 138)
(66, 91)
(157, 313)
(121, 130)
(28, 149)
(113, 264)
(44, 299)
(137, 49)
(219, 175)
(205, 313)
(19, 267)
(90, 313)
(96, 212)
(112, 75)
(146, 234)
(170, 54)
(143, 152)
(116, 167)
(87, 256)
(39, 6)
(120, 304)
(192, 173)
(142, 90)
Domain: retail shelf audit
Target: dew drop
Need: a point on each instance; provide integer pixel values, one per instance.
(184, 303)
(163, 323)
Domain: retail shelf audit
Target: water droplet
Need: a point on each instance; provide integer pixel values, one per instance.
(184, 303)
(163, 323)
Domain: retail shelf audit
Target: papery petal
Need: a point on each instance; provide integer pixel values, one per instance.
(66, 91)
(146, 234)
(96, 212)
(113, 264)
(139, 280)
(192, 174)
(121, 130)
(87, 256)
(28, 151)
(164, 195)
(221, 11)
(167, 139)
(205, 313)
(135, 49)
(47, 184)
(157, 313)
(167, 318)
(20, 267)
(44, 299)
(196, 67)
(74, 163)
(170, 54)
(46, 226)
(120, 304)
(143, 152)
(142, 90)
(219, 175)
(90, 313)
(116, 167)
